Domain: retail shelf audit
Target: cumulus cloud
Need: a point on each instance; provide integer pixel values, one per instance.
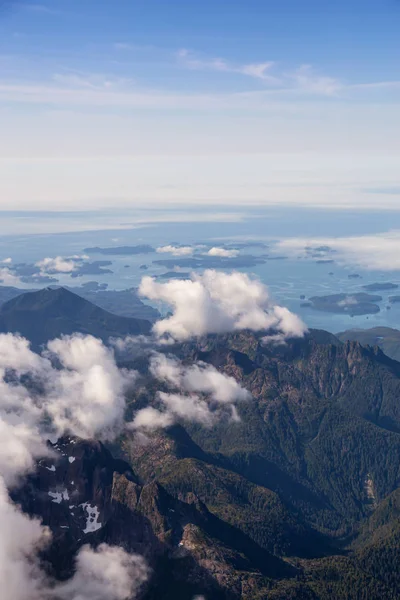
(373, 252)
(176, 250)
(216, 302)
(87, 395)
(56, 265)
(6, 261)
(199, 393)
(81, 392)
(7, 277)
(222, 252)
(73, 387)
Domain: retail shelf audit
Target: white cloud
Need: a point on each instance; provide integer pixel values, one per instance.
(56, 265)
(306, 80)
(222, 252)
(6, 261)
(123, 46)
(189, 407)
(21, 538)
(176, 250)
(198, 393)
(81, 395)
(90, 81)
(87, 395)
(256, 70)
(348, 301)
(38, 8)
(150, 418)
(216, 302)
(8, 278)
(104, 573)
(199, 377)
(376, 252)
(259, 71)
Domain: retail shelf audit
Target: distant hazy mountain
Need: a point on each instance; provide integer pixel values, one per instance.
(125, 303)
(47, 314)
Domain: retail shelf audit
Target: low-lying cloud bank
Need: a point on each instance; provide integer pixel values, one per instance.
(377, 252)
(75, 387)
(217, 302)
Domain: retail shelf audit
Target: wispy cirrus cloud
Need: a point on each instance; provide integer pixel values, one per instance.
(260, 71)
(279, 87)
(306, 79)
(43, 9)
(303, 79)
(92, 81)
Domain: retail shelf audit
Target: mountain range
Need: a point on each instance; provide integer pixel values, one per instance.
(299, 498)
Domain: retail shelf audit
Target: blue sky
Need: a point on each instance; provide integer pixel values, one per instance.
(116, 102)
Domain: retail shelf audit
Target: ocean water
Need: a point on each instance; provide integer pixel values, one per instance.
(286, 279)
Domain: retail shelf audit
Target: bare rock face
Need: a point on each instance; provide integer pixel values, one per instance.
(71, 491)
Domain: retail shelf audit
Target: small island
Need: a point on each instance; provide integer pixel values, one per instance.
(97, 267)
(350, 304)
(121, 250)
(174, 275)
(380, 287)
(211, 262)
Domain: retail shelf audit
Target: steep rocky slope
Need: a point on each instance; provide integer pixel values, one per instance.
(297, 499)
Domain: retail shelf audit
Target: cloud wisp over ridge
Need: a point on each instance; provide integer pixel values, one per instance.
(197, 393)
